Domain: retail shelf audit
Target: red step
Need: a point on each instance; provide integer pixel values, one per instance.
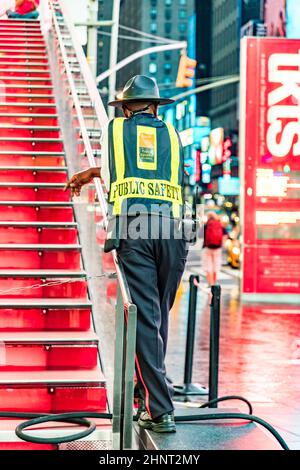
(36, 211)
(20, 23)
(14, 28)
(26, 98)
(24, 80)
(25, 317)
(28, 108)
(52, 174)
(31, 153)
(52, 256)
(8, 50)
(39, 234)
(36, 144)
(19, 41)
(22, 58)
(48, 350)
(31, 66)
(25, 74)
(38, 89)
(28, 131)
(18, 35)
(76, 289)
(33, 119)
(9, 23)
(52, 391)
(33, 191)
(32, 160)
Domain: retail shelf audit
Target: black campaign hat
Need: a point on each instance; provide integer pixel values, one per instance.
(140, 88)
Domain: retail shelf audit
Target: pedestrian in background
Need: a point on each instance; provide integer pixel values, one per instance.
(214, 234)
(25, 9)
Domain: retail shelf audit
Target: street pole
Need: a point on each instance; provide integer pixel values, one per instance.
(165, 47)
(113, 55)
(92, 37)
(94, 24)
(210, 86)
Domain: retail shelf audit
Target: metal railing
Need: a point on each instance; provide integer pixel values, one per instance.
(126, 312)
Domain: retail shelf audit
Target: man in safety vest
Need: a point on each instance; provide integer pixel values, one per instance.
(143, 170)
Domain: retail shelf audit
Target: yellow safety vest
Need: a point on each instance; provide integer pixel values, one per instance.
(146, 165)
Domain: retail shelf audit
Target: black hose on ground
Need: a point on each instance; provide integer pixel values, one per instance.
(228, 397)
(80, 418)
(243, 416)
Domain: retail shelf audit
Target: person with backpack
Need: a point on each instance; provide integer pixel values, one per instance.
(214, 233)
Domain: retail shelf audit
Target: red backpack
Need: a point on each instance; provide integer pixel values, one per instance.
(213, 234)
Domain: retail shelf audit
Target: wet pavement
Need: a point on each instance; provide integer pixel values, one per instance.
(259, 350)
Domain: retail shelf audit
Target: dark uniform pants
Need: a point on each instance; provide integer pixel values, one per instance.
(153, 269)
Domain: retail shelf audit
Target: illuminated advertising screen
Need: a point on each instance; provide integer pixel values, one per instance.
(229, 186)
(275, 17)
(270, 167)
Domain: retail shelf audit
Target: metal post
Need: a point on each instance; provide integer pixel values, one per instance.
(214, 344)
(117, 424)
(113, 55)
(188, 388)
(92, 37)
(190, 337)
(129, 377)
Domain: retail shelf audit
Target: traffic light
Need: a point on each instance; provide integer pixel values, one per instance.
(227, 147)
(186, 72)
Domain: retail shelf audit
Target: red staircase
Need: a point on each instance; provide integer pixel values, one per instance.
(48, 347)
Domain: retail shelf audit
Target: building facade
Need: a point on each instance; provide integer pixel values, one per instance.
(166, 18)
(218, 48)
(225, 24)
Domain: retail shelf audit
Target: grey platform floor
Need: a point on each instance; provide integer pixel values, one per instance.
(209, 435)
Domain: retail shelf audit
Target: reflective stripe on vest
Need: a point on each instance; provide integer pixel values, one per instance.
(118, 140)
(136, 187)
(175, 159)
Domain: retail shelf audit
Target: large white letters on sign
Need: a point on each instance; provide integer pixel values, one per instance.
(283, 133)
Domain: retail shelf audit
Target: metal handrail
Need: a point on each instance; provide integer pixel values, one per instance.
(85, 69)
(102, 118)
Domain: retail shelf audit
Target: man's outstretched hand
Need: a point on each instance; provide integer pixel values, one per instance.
(80, 179)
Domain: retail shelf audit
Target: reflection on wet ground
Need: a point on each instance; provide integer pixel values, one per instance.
(259, 352)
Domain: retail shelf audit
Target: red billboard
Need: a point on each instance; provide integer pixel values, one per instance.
(270, 168)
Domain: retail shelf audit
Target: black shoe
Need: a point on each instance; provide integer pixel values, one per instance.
(164, 423)
(141, 407)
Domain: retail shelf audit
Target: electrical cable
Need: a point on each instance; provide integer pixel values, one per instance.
(90, 427)
(149, 35)
(228, 397)
(132, 38)
(243, 416)
(80, 418)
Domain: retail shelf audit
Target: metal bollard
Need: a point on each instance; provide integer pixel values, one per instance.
(214, 344)
(188, 388)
